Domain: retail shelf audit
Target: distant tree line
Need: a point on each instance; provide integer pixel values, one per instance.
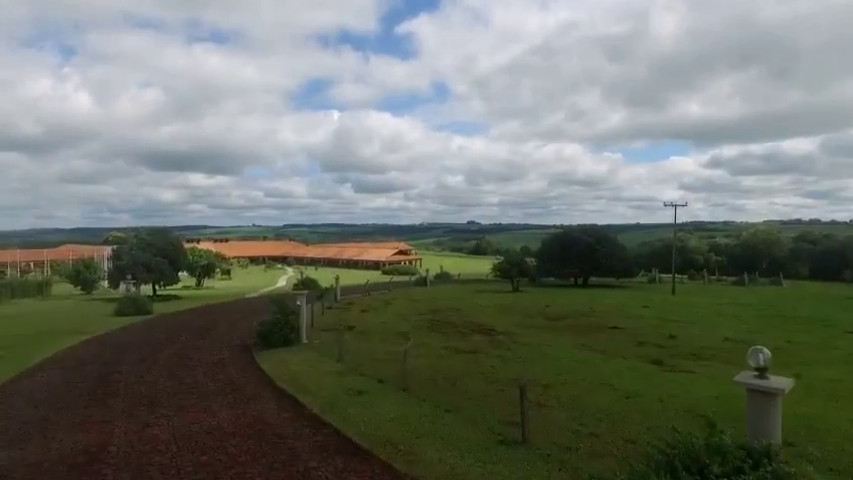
(580, 253)
(763, 250)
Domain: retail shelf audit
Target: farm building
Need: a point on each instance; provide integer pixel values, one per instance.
(16, 262)
(371, 255)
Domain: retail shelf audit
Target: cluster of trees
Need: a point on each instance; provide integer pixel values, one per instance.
(580, 253)
(156, 256)
(763, 250)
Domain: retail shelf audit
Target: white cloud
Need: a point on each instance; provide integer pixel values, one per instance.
(118, 112)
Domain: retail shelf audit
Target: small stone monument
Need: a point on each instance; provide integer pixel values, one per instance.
(764, 393)
(128, 285)
(337, 288)
(302, 303)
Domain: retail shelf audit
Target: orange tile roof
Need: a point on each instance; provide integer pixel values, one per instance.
(64, 252)
(361, 251)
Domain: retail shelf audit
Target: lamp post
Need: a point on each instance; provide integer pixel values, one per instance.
(675, 206)
(764, 393)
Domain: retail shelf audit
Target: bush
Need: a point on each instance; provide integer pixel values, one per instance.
(281, 330)
(85, 275)
(133, 305)
(443, 276)
(695, 276)
(17, 288)
(307, 283)
(713, 456)
(420, 281)
(400, 270)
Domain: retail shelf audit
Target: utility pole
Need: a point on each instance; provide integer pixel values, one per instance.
(674, 206)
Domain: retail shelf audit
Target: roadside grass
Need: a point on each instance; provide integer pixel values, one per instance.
(33, 329)
(610, 370)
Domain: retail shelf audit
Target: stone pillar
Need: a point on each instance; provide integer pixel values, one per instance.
(337, 288)
(764, 405)
(302, 303)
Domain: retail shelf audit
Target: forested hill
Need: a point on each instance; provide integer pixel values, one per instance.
(440, 236)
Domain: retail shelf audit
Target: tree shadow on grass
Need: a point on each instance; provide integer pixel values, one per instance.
(162, 298)
(591, 286)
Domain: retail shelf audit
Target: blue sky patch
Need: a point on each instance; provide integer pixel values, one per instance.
(407, 102)
(466, 129)
(314, 95)
(385, 41)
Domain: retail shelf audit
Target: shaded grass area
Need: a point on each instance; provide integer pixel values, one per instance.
(609, 369)
(33, 329)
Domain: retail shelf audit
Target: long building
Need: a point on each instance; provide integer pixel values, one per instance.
(370, 255)
(17, 261)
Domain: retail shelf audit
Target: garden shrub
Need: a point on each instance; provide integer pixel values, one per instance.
(133, 305)
(443, 276)
(281, 329)
(713, 455)
(18, 288)
(420, 281)
(308, 283)
(695, 276)
(400, 270)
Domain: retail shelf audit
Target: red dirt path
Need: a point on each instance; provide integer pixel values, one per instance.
(175, 397)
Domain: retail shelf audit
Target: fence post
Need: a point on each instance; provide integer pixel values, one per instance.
(337, 288)
(389, 283)
(312, 312)
(522, 403)
(367, 287)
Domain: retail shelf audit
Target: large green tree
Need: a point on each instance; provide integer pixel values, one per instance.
(581, 252)
(85, 274)
(203, 264)
(761, 250)
(513, 267)
(151, 256)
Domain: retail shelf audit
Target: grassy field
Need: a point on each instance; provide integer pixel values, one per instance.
(31, 330)
(468, 266)
(609, 369)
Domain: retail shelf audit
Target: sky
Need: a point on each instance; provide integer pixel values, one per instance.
(143, 112)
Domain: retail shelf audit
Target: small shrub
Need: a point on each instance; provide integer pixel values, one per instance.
(400, 270)
(713, 456)
(17, 288)
(695, 276)
(133, 305)
(420, 281)
(308, 283)
(443, 276)
(281, 329)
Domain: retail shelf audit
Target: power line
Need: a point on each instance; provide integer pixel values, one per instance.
(674, 206)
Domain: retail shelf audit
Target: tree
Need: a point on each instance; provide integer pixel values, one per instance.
(483, 247)
(203, 264)
(115, 238)
(691, 253)
(513, 267)
(152, 256)
(580, 252)
(761, 250)
(85, 275)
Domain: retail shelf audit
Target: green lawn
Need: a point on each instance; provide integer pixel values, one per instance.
(31, 330)
(609, 369)
(469, 266)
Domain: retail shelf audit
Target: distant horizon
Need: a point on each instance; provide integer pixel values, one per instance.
(524, 224)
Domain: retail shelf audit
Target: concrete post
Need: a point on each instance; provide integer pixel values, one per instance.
(428, 282)
(337, 288)
(764, 405)
(302, 302)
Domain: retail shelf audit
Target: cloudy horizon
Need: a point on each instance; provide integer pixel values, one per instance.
(148, 112)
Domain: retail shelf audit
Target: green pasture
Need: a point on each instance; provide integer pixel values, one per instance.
(469, 266)
(610, 369)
